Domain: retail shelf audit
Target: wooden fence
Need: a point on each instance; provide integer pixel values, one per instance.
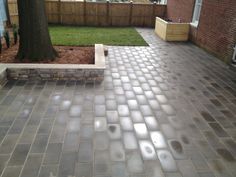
(12, 5)
(98, 13)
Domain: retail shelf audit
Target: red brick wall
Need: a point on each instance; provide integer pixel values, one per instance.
(180, 9)
(216, 31)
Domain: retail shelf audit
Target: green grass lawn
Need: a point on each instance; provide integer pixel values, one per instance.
(83, 36)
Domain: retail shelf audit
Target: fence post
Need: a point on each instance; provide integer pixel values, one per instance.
(85, 20)
(74, 13)
(153, 13)
(59, 12)
(131, 12)
(108, 13)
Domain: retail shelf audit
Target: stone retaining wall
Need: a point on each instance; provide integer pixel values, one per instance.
(84, 72)
(55, 74)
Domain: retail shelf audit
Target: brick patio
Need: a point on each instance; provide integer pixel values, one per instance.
(167, 110)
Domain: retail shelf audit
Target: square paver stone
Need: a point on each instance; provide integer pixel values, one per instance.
(100, 124)
(73, 125)
(167, 161)
(126, 123)
(123, 110)
(147, 150)
(117, 152)
(158, 139)
(114, 131)
(75, 111)
(141, 130)
(130, 141)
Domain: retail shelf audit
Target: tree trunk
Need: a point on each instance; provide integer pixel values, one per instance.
(35, 42)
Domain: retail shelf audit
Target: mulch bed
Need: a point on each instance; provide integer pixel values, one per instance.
(67, 55)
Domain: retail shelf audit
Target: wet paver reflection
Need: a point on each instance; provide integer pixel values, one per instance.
(163, 110)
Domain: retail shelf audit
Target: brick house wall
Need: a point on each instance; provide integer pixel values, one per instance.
(180, 9)
(217, 28)
(216, 31)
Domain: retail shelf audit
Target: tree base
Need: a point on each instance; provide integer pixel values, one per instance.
(37, 56)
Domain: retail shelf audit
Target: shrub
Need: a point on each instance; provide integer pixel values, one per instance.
(7, 38)
(15, 33)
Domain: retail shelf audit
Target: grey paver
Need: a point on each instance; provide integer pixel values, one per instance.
(8, 144)
(85, 152)
(126, 123)
(3, 162)
(151, 123)
(158, 139)
(73, 125)
(83, 170)
(71, 142)
(102, 163)
(186, 168)
(100, 124)
(45, 126)
(65, 105)
(137, 116)
(198, 160)
(53, 153)
(114, 131)
(19, 154)
(135, 163)
(147, 150)
(101, 141)
(167, 161)
(75, 111)
(141, 130)
(163, 110)
(40, 143)
(87, 132)
(28, 135)
(32, 165)
(67, 164)
(48, 170)
(12, 171)
(112, 116)
(130, 141)
(119, 170)
(3, 132)
(153, 169)
(117, 152)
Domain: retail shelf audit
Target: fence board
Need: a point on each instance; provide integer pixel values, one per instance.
(120, 14)
(142, 15)
(97, 14)
(79, 13)
(12, 5)
(52, 9)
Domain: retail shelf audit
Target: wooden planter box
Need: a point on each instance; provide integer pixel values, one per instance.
(169, 31)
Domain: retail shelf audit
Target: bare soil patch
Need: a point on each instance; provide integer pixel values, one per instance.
(67, 55)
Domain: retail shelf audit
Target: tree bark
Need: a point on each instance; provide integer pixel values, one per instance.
(35, 42)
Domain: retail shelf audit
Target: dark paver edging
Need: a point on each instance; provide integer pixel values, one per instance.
(87, 72)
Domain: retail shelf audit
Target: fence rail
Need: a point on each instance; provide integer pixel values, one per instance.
(97, 13)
